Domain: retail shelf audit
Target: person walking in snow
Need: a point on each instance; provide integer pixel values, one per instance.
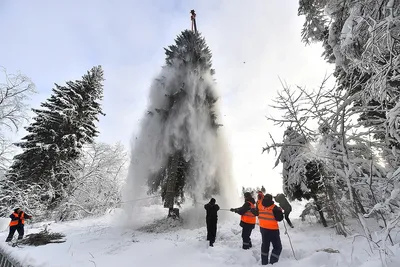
(17, 224)
(268, 216)
(211, 220)
(248, 219)
(284, 204)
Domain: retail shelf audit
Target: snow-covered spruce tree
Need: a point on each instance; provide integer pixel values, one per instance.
(179, 151)
(60, 129)
(187, 61)
(303, 173)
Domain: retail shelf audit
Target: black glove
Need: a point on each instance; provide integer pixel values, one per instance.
(233, 210)
(254, 211)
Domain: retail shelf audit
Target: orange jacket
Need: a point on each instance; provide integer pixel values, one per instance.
(266, 217)
(248, 216)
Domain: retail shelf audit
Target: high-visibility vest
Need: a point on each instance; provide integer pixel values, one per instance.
(17, 217)
(259, 202)
(266, 218)
(249, 217)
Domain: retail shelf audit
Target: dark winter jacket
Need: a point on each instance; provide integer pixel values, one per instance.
(211, 212)
(243, 209)
(278, 214)
(283, 203)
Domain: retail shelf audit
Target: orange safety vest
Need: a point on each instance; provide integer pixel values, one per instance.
(17, 217)
(249, 217)
(259, 202)
(266, 218)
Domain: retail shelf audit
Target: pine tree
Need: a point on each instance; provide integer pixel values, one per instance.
(304, 175)
(186, 83)
(61, 127)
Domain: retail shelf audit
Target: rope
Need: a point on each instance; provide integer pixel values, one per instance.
(195, 201)
(121, 202)
(290, 240)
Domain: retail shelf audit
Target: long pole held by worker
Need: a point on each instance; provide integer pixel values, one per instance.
(290, 240)
(193, 18)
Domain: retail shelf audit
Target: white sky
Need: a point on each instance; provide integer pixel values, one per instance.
(55, 41)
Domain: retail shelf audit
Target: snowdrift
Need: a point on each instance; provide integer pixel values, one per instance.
(105, 242)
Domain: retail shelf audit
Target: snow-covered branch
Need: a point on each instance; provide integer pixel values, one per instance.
(96, 180)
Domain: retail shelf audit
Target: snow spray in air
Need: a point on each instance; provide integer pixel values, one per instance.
(180, 153)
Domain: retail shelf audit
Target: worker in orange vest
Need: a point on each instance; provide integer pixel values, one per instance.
(17, 223)
(268, 216)
(248, 219)
(260, 197)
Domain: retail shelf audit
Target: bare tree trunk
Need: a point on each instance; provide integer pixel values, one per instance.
(358, 201)
(321, 213)
(171, 185)
(335, 208)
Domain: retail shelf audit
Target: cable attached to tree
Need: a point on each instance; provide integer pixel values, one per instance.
(196, 202)
(193, 18)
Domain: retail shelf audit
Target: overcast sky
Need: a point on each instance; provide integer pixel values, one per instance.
(253, 42)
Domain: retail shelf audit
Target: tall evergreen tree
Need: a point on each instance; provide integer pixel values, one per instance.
(61, 127)
(187, 93)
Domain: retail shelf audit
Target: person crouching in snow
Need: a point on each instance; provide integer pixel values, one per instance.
(211, 220)
(17, 223)
(284, 204)
(268, 216)
(248, 219)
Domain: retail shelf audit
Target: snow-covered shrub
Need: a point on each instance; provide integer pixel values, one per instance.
(389, 207)
(96, 180)
(28, 199)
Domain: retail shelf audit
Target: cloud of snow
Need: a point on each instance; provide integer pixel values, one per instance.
(189, 125)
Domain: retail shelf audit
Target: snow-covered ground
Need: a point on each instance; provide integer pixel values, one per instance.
(104, 242)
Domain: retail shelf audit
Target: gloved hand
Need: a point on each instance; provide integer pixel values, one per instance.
(233, 210)
(254, 211)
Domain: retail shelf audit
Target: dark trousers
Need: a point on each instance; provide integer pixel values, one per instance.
(211, 231)
(287, 219)
(268, 237)
(19, 229)
(246, 233)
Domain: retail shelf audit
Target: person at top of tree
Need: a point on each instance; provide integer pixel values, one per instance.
(211, 220)
(17, 224)
(248, 219)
